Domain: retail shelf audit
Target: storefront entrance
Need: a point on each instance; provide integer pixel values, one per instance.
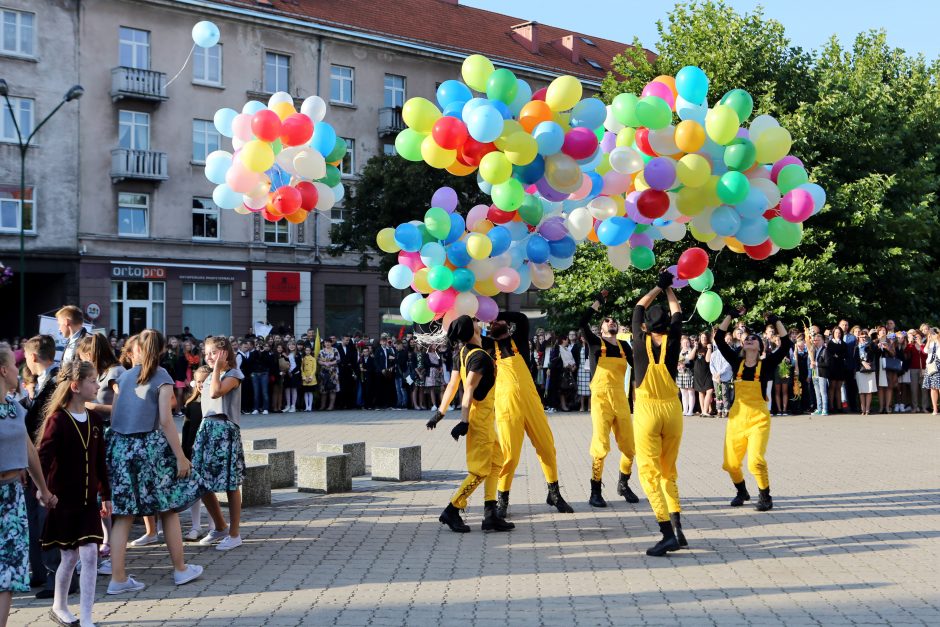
(281, 317)
(137, 305)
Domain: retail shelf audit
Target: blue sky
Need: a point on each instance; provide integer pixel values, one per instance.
(910, 24)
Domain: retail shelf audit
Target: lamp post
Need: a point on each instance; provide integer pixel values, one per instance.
(74, 93)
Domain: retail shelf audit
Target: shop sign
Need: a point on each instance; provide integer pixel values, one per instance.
(283, 287)
(92, 311)
(138, 272)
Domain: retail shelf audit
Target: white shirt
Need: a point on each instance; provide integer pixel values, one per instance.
(567, 359)
(719, 366)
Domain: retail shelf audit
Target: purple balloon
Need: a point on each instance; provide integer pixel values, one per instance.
(487, 310)
(743, 133)
(676, 281)
(548, 192)
(641, 239)
(445, 198)
(609, 142)
(553, 229)
(660, 173)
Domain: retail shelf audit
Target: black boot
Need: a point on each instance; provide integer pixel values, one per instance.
(764, 502)
(451, 517)
(667, 544)
(741, 496)
(492, 522)
(597, 499)
(676, 520)
(502, 504)
(623, 489)
(555, 499)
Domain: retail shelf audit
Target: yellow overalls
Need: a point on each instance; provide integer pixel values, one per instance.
(748, 430)
(519, 410)
(484, 456)
(657, 427)
(610, 410)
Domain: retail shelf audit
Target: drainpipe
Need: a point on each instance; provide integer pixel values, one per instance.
(316, 214)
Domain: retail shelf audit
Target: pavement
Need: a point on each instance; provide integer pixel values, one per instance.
(854, 538)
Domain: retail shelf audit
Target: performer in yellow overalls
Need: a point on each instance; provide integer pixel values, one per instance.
(657, 422)
(748, 428)
(484, 455)
(610, 409)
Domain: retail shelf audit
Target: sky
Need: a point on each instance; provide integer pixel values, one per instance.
(910, 24)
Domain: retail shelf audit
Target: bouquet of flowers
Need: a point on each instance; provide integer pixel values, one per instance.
(6, 275)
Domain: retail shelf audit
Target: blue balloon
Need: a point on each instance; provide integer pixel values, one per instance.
(754, 205)
(597, 184)
(205, 34)
(406, 304)
(753, 231)
(454, 110)
(525, 280)
(818, 194)
(457, 227)
(725, 221)
(500, 238)
(523, 95)
(503, 109)
(485, 123)
(216, 167)
(464, 280)
(452, 91)
(472, 104)
(692, 83)
(590, 164)
(485, 187)
(549, 136)
(518, 230)
(531, 172)
(563, 247)
(561, 263)
(253, 106)
(408, 237)
(339, 192)
(324, 138)
(615, 231)
(225, 197)
(432, 254)
(457, 253)
(400, 277)
(517, 253)
(537, 249)
(691, 111)
(223, 119)
(589, 113)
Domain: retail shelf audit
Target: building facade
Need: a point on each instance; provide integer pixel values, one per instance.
(124, 213)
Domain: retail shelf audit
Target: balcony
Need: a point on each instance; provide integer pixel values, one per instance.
(390, 121)
(128, 82)
(143, 165)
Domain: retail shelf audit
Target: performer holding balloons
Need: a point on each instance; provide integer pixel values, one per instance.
(748, 426)
(658, 420)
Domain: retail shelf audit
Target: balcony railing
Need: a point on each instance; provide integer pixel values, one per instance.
(390, 121)
(128, 82)
(148, 165)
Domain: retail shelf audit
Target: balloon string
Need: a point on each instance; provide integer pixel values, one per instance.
(185, 63)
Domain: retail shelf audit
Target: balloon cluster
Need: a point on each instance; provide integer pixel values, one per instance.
(284, 163)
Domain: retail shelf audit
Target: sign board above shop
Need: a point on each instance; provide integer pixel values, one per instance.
(283, 287)
(140, 273)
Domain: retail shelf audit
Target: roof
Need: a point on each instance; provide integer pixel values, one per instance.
(445, 24)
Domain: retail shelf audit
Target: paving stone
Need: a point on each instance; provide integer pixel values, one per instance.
(396, 463)
(325, 473)
(356, 451)
(281, 463)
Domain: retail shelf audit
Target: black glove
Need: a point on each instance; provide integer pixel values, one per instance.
(771, 318)
(602, 296)
(664, 280)
(735, 311)
(460, 429)
(436, 417)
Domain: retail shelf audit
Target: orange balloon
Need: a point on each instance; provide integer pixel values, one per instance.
(690, 136)
(734, 245)
(668, 81)
(272, 210)
(592, 235)
(284, 110)
(297, 216)
(448, 264)
(459, 169)
(533, 114)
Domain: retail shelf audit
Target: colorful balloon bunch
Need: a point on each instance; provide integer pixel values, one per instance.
(284, 163)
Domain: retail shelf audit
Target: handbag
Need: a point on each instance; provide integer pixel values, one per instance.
(932, 363)
(567, 380)
(893, 364)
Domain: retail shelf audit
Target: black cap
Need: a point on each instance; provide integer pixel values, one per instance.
(461, 330)
(657, 319)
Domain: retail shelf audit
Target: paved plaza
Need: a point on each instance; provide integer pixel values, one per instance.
(854, 538)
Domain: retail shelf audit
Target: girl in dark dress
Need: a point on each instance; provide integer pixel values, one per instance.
(838, 356)
(702, 374)
(192, 418)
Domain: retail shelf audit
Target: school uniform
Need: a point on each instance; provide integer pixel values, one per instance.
(14, 532)
(218, 455)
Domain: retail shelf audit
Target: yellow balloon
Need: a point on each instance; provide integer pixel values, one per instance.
(693, 170)
(690, 201)
(626, 136)
(621, 209)
(711, 192)
(521, 149)
(486, 287)
(639, 182)
(690, 136)
(479, 246)
(701, 236)
(604, 166)
(562, 172)
(721, 124)
(563, 93)
(773, 144)
(510, 128)
(257, 156)
(386, 240)
(420, 281)
(476, 70)
(563, 120)
(435, 156)
(284, 109)
(420, 114)
(495, 168)
(734, 245)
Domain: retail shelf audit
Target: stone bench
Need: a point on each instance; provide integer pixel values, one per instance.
(281, 463)
(356, 451)
(266, 444)
(324, 473)
(396, 463)
(256, 490)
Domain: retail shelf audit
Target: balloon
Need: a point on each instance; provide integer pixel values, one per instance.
(653, 112)
(796, 205)
(563, 93)
(506, 279)
(484, 123)
(579, 223)
(660, 173)
(691, 111)
(642, 257)
(652, 203)
(386, 240)
(437, 222)
(476, 71)
(733, 187)
(740, 155)
(400, 277)
(449, 133)
(487, 309)
(542, 275)
(619, 257)
(223, 120)
(760, 124)
(479, 246)
(225, 197)
(725, 221)
(406, 304)
(660, 90)
(754, 204)
(709, 306)
(602, 207)
(408, 237)
(562, 248)
(626, 160)
(673, 231)
(692, 263)
(689, 136)
(266, 125)
(218, 163)
(615, 231)
(624, 109)
(324, 138)
(562, 173)
(703, 282)
(421, 312)
(205, 34)
(441, 301)
(692, 84)
(408, 144)
(440, 277)
(785, 234)
(420, 114)
(537, 249)
(257, 156)
(452, 91)
(495, 168)
(740, 102)
(782, 163)
(760, 251)
(502, 86)
(436, 156)
(500, 239)
(531, 210)
(721, 124)
(693, 170)
(297, 130)
(286, 200)
(314, 107)
(580, 143)
(753, 231)
(790, 177)
(589, 113)
(818, 194)
(508, 195)
(773, 144)
(457, 253)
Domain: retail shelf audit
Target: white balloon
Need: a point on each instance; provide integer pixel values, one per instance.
(314, 108)
(626, 160)
(466, 304)
(339, 192)
(619, 256)
(674, 231)
(602, 207)
(285, 158)
(561, 263)
(760, 124)
(309, 164)
(769, 189)
(278, 97)
(716, 243)
(543, 277)
(482, 269)
(238, 144)
(663, 141)
(326, 199)
(703, 221)
(610, 122)
(579, 223)
(256, 202)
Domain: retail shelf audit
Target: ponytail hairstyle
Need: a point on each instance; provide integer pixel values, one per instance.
(151, 345)
(222, 343)
(98, 349)
(127, 353)
(197, 389)
(70, 372)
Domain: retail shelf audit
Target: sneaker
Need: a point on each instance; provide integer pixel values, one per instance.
(104, 568)
(144, 540)
(193, 535)
(291, 410)
(254, 413)
(265, 412)
(192, 571)
(213, 536)
(817, 413)
(229, 543)
(131, 585)
(825, 413)
(434, 408)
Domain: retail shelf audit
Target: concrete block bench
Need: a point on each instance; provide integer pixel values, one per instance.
(256, 490)
(396, 463)
(281, 463)
(266, 444)
(325, 473)
(356, 451)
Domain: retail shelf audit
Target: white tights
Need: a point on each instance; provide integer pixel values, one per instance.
(688, 400)
(88, 553)
(308, 400)
(290, 395)
(195, 513)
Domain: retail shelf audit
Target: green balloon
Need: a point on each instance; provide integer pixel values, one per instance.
(420, 312)
(338, 152)
(437, 222)
(709, 306)
(464, 280)
(509, 195)
(531, 210)
(332, 177)
(786, 235)
(740, 154)
(733, 187)
(653, 112)
(502, 85)
(426, 237)
(703, 282)
(740, 101)
(642, 258)
(624, 107)
(408, 145)
(790, 177)
(277, 146)
(440, 277)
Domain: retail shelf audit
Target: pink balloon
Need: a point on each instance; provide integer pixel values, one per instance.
(781, 164)
(580, 143)
(796, 205)
(439, 302)
(758, 173)
(584, 190)
(488, 309)
(449, 317)
(241, 179)
(615, 183)
(506, 279)
(412, 260)
(475, 215)
(661, 90)
(241, 127)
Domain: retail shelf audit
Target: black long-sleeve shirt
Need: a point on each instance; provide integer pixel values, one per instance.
(673, 346)
(520, 335)
(615, 348)
(770, 362)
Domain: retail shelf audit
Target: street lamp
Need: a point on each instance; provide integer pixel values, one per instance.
(74, 93)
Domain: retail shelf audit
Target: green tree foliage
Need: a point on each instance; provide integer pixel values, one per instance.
(866, 124)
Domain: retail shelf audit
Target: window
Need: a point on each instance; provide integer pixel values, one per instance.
(133, 130)
(207, 65)
(594, 64)
(344, 308)
(207, 308)
(134, 48)
(18, 33)
(277, 233)
(347, 166)
(341, 84)
(23, 112)
(205, 219)
(137, 305)
(587, 41)
(389, 149)
(133, 212)
(12, 210)
(206, 139)
(394, 90)
(276, 72)
(337, 213)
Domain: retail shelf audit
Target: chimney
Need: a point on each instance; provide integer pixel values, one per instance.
(527, 34)
(569, 46)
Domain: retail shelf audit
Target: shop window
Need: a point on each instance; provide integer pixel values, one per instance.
(344, 308)
(207, 308)
(137, 305)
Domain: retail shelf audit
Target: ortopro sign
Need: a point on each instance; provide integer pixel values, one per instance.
(138, 272)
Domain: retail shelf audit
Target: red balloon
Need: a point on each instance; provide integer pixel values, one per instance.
(270, 217)
(772, 213)
(540, 94)
(643, 142)
(498, 216)
(296, 130)
(761, 251)
(449, 132)
(692, 263)
(286, 200)
(653, 204)
(266, 126)
(473, 151)
(308, 195)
